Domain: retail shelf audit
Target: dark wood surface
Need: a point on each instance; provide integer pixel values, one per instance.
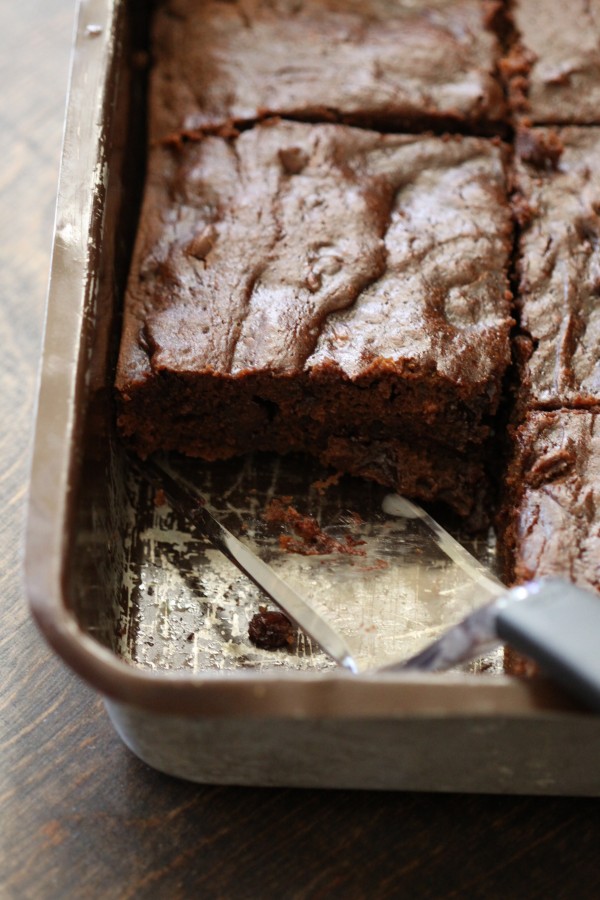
(79, 815)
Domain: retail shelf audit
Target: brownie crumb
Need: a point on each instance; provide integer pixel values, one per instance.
(321, 485)
(271, 630)
(377, 566)
(514, 70)
(542, 149)
(160, 498)
(311, 539)
(523, 211)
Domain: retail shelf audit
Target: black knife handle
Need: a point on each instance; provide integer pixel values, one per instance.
(558, 625)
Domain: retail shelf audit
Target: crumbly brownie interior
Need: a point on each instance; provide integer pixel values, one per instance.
(344, 288)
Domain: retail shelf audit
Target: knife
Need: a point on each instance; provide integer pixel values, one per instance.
(551, 621)
(190, 507)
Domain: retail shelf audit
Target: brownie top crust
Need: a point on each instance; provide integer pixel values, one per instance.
(559, 269)
(395, 63)
(323, 249)
(553, 481)
(556, 62)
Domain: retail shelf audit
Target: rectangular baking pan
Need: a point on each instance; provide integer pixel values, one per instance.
(266, 725)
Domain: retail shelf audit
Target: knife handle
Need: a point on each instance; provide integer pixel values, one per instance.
(558, 625)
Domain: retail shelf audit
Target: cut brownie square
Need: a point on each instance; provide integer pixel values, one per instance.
(325, 289)
(559, 270)
(552, 514)
(553, 69)
(381, 63)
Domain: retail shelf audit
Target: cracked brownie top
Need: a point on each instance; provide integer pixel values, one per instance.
(380, 63)
(309, 248)
(554, 519)
(559, 269)
(554, 65)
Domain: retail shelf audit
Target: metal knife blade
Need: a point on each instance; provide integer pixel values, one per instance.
(260, 573)
(550, 620)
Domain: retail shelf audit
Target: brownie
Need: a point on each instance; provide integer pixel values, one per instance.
(381, 63)
(325, 289)
(552, 515)
(559, 270)
(553, 69)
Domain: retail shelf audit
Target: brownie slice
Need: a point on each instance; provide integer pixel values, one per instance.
(381, 63)
(553, 69)
(326, 289)
(559, 269)
(552, 515)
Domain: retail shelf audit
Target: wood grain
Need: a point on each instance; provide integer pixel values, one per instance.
(79, 815)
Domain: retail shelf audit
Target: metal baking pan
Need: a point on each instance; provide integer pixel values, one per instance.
(152, 621)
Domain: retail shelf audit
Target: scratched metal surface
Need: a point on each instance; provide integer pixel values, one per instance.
(188, 608)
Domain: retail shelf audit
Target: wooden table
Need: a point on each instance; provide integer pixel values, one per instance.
(79, 815)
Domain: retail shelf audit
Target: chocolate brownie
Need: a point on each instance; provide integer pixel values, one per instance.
(553, 69)
(381, 63)
(559, 269)
(326, 289)
(552, 525)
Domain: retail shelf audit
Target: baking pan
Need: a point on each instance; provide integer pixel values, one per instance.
(152, 620)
